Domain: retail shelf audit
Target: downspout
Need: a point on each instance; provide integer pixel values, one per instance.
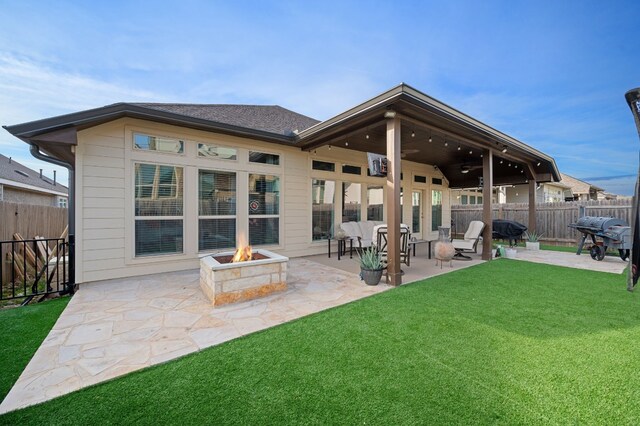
(71, 218)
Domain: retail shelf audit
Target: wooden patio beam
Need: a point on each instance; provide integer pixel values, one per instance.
(532, 204)
(487, 204)
(393, 198)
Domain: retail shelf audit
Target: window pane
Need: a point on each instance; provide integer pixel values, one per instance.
(436, 210)
(472, 199)
(351, 197)
(158, 237)
(264, 230)
(415, 212)
(264, 194)
(324, 166)
(420, 179)
(322, 199)
(353, 170)
(220, 152)
(375, 203)
(436, 181)
(463, 199)
(479, 199)
(216, 233)
(158, 190)
(216, 193)
(264, 158)
(154, 143)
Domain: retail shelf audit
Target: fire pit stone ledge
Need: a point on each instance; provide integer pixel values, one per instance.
(225, 283)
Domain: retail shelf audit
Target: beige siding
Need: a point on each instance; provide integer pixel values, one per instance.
(105, 221)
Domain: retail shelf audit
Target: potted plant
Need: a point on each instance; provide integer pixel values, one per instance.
(371, 266)
(533, 240)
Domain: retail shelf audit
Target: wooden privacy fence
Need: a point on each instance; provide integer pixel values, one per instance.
(31, 220)
(552, 219)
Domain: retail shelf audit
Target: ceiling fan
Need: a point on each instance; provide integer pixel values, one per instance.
(466, 168)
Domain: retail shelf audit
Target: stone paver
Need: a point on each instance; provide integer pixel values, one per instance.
(114, 327)
(610, 264)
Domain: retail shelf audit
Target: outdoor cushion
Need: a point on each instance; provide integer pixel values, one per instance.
(471, 237)
(351, 229)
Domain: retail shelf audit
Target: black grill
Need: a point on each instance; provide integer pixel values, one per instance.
(605, 232)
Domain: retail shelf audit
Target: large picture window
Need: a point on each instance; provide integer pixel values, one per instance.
(436, 209)
(264, 209)
(351, 201)
(216, 210)
(375, 202)
(322, 201)
(159, 209)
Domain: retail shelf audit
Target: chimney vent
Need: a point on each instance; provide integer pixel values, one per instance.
(40, 173)
(54, 178)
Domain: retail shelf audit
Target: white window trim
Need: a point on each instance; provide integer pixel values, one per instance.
(235, 216)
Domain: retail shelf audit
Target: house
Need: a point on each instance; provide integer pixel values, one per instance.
(20, 184)
(568, 189)
(159, 185)
(580, 190)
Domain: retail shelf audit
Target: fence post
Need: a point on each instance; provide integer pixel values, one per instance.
(72, 263)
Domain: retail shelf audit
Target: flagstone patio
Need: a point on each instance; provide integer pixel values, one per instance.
(114, 327)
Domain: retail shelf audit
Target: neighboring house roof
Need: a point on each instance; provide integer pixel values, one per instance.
(558, 185)
(266, 118)
(15, 174)
(578, 186)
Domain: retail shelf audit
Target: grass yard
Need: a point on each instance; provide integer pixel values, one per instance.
(506, 342)
(22, 330)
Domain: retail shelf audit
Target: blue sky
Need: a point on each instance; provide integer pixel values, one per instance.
(552, 74)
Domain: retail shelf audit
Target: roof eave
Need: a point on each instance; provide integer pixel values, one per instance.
(93, 117)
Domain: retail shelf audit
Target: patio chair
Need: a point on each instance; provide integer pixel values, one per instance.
(469, 243)
(381, 242)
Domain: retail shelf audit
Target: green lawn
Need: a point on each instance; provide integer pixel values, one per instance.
(22, 330)
(506, 342)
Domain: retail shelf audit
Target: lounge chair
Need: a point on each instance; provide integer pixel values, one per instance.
(469, 243)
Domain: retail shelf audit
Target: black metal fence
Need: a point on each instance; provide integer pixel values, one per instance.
(31, 268)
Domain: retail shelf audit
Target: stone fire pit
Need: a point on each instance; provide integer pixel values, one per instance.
(224, 282)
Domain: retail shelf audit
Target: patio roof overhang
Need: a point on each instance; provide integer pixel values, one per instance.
(433, 133)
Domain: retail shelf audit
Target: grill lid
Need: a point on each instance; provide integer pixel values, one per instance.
(599, 223)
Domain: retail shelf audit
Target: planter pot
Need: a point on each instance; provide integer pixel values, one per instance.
(493, 253)
(371, 276)
(533, 246)
(510, 253)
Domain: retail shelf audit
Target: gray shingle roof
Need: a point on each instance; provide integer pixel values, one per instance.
(16, 172)
(267, 118)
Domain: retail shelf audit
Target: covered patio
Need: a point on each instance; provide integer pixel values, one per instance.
(406, 124)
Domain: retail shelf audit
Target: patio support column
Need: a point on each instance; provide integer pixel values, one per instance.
(487, 204)
(532, 204)
(393, 198)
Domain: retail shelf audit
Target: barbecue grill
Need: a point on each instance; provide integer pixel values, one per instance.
(614, 233)
(508, 230)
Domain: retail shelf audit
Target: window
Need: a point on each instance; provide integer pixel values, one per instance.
(220, 152)
(479, 199)
(463, 199)
(264, 158)
(154, 143)
(352, 170)
(375, 202)
(264, 209)
(420, 179)
(436, 209)
(216, 210)
(351, 201)
(436, 181)
(416, 210)
(472, 199)
(62, 202)
(323, 166)
(158, 209)
(322, 202)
